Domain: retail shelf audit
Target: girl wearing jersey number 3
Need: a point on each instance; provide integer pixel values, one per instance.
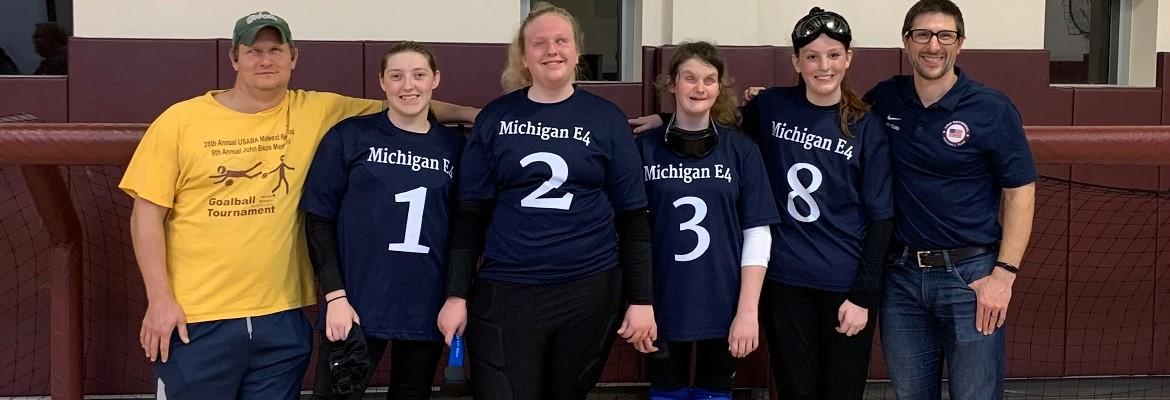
(377, 208)
(828, 160)
(711, 206)
(549, 185)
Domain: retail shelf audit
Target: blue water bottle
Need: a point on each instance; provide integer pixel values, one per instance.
(455, 356)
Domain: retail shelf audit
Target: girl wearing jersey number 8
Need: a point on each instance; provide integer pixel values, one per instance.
(711, 206)
(828, 160)
(377, 206)
(830, 168)
(549, 185)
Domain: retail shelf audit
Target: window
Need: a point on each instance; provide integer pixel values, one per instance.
(1100, 41)
(34, 36)
(607, 26)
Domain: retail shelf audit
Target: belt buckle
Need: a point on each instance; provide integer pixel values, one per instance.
(918, 255)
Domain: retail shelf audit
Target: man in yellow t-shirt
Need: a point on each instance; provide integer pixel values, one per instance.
(216, 182)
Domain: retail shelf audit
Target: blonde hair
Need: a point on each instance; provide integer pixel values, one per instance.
(515, 76)
(726, 108)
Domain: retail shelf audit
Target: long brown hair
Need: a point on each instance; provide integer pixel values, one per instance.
(515, 76)
(726, 110)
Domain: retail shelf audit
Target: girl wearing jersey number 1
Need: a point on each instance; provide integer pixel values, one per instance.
(830, 168)
(711, 206)
(549, 186)
(377, 201)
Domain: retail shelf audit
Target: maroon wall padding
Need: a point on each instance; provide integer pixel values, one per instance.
(649, 74)
(323, 66)
(470, 71)
(627, 96)
(870, 66)
(43, 96)
(749, 65)
(134, 80)
(1117, 106)
(783, 73)
(1161, 349)
(1111, 274)
(1036, 331)
(1163, 81)
(24, 290)
(1055, 108)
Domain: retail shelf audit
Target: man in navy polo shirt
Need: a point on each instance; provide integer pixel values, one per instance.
(957, 149)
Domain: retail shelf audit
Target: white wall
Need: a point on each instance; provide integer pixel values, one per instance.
(474, 21)
(991, 24)
(1163, 30)
(1142, 55)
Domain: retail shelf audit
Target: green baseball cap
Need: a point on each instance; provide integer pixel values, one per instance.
(249, 25)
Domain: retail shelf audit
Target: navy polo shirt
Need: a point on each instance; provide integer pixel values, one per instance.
(951, 161)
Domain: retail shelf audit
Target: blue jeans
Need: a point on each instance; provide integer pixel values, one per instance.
(928, 316)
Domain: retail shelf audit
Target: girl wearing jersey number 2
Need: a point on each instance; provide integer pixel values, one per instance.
(830, 167)
(377, 209)
(549, 187)
(711, 206)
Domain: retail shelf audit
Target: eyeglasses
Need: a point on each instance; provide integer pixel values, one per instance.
(812, 25)
(923, 36)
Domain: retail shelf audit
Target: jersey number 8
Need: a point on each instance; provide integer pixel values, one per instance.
(799, 190)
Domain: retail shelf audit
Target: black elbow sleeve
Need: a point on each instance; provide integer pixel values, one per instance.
(321, 234)
(866, 290)
(468, 228)
(634, 255)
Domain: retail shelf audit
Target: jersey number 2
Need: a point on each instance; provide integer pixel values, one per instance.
(417, 199)
(560, 173)
(704, 238)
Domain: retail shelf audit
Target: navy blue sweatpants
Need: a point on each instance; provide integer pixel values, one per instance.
(260, 357)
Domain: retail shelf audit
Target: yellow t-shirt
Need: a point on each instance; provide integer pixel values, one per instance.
(235, 242)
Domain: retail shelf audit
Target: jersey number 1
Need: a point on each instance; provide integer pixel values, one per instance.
(417, 199)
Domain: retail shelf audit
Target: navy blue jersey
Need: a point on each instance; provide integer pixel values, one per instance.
(557, 173)
(827, 186)
(699, 209)
(390, 192)
(951, 161)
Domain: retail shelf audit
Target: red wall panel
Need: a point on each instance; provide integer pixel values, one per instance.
(42, 96)
(870, 66)
(1111, 271)
(627, 96)
(134, 80)
(1117, 106)
(1036, 322)
(1163, 80)
(1161, 348)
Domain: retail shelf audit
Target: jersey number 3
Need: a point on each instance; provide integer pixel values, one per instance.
(560, 173)
(704, 237)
